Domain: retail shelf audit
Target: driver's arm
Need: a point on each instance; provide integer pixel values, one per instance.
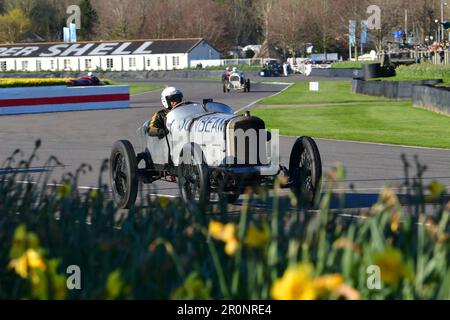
(157, 127)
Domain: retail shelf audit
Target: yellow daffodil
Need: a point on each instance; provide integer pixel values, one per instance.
(29, 261)
(295, 284)
(392, 266)
(328, 283)
(257, 238)
(389, 198)
(225, 233)
(231, 247)
(64, 191)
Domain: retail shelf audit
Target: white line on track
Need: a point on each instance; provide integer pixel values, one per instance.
(142, 93)
(274, 95)
(379, 144)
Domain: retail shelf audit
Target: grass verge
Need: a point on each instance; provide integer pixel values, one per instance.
(136, 88)
(350, 64)
(330, 92)
(396, 122)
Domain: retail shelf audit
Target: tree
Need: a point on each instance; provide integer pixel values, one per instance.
(44, 19)
(13, 25)
(89, 18)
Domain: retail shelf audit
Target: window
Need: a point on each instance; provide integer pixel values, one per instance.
(3, 65)
(38, 65)
(52, 64)
(24, 65)
(67, 64)
(159, 62)
(175, 61)
(149, 63)
(132, 63)
(88, 64)
(109, 63)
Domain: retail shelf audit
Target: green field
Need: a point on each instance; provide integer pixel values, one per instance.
(329, 92)
(424, 71)
(136, 88)
(350, 64)
(395, 122)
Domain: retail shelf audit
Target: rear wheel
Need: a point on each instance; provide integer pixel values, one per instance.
(305, 171)
(123, 174)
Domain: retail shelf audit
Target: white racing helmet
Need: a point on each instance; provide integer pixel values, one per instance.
(170, 94)
(235, 69)
(227, 69)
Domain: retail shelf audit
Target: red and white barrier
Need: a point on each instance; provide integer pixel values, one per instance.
(62, 98)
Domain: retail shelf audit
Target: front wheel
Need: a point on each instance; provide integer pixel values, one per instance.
(248, 85)
(193, 177)
(123, 174)
(305, 171)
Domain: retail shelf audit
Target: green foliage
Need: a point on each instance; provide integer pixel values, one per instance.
(160, 250)
(424, 71)
(13, 25)
(89, 18)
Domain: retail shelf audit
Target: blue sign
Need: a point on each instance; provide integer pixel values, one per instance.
(73, 32)
(352, 32)
(364, 29)
(66, 34)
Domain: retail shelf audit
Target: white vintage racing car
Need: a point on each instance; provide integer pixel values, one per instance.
(236, 81)
(209, 150)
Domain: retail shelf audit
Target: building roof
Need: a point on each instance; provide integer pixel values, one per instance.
(100, 48)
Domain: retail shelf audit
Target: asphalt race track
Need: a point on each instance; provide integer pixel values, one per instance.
(87, 137)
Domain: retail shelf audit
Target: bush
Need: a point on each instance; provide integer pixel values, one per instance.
(160, 250)
(35, 82)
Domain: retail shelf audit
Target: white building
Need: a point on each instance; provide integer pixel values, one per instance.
(139, 55)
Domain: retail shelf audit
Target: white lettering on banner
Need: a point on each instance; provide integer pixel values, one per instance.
(121, 50)
(103, 49)
(143, 47)
(3, 49)
(26, 51)
(77, 50)
(54, 50)
(11, 51)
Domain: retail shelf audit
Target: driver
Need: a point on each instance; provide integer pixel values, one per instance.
(171, 98)
(240, 73)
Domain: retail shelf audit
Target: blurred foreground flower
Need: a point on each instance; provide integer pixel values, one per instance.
(257, 238)
(225, 233)
(194, 288)
(392, 266)
(27, 263)
(297, 283)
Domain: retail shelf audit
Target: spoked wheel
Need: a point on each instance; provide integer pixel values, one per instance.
(123, 174)
(193, 177)
(305, 171)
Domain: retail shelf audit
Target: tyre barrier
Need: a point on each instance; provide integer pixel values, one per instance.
(375, 70)
(432, 98)
(389, 89)
(62, 98)
(338, 73)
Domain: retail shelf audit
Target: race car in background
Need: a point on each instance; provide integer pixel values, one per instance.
(235, 81)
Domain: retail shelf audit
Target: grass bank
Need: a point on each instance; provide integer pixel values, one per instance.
(395, 122)
(424, 71)
(329, 92)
